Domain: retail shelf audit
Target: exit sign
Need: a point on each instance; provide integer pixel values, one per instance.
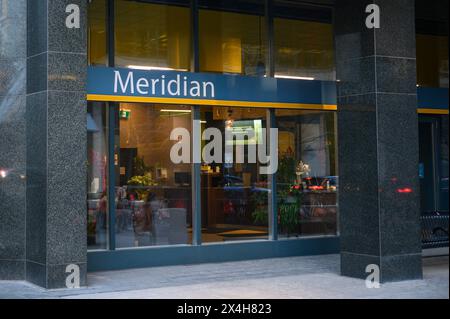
(124, 114)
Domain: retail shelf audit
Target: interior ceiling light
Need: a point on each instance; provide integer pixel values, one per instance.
(175, 111)
(279, 76)
(153, 68)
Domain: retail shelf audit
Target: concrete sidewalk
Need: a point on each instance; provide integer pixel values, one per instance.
(294, 277)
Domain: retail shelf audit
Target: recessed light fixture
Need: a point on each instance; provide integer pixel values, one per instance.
(175, 111)
(153, 68)
(279, 76)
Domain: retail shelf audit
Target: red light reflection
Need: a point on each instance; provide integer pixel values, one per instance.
(405, 190)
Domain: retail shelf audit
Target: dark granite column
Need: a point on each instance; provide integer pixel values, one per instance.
(12, 138)
(378, 140)
(56, 143)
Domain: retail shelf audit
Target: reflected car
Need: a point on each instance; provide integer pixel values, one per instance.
(236, 183)
(10, 174)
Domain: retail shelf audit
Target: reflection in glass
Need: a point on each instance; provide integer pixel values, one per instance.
(97, 177)
(152, 36)
(153, 194)
(306, 179)
(234, 196)
(304, 50)
(97, 53)
(232, 42)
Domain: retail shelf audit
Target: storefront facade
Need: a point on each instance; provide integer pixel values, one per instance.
(353, 124)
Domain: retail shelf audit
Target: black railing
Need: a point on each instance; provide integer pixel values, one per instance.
(434, 229)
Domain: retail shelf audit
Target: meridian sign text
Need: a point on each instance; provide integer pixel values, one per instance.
(179, 86)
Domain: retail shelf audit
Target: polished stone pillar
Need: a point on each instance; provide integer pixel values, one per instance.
(56, 143)
(12, 138)
(378, 140)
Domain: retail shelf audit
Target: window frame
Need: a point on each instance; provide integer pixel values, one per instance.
(113, 111)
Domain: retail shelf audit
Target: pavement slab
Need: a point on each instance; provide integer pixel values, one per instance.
(305, 277)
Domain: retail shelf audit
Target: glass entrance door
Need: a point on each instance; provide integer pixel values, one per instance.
(433, 173)
(428, 166)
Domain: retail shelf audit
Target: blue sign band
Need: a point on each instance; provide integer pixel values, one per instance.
(130, 85)
(120, 84)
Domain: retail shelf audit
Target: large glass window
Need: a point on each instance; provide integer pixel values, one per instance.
(97, 32)
(152, 36)
(432, 60)
(153, 194)
(232, 37)
(232, 41)
(234, 194)
(306, 179)
(97, 176)
(304, 50)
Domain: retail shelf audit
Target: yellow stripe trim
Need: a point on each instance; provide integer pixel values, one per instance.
(432, 111)
(324, 107)
(163, 100)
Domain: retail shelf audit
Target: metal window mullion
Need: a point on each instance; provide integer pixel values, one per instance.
(195, 140)
(271, 122)
(112, 125)
(110, 22)
(196, 176)
(272, 182)
(112, 107)
(270, 48)
(195, 58)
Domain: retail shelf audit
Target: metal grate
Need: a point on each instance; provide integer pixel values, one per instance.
(434, 230)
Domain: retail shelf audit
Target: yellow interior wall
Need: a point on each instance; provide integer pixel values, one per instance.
(286, 141)
(229, 41)
(220, 50)
(152, 35)
(301, 45)
(97, 33)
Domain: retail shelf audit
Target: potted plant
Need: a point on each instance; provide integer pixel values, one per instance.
(142, 179)
(288, 193)
(260, 208)
(141, 183)
(289, 197)
(289, 203)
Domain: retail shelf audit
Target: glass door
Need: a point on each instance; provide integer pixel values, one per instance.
(428, 165)
(433, 173)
